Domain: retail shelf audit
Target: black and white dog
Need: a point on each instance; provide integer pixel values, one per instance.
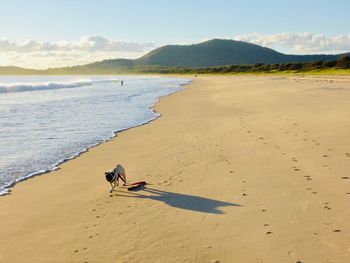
(113, 176)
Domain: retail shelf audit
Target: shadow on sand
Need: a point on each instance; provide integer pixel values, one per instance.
(183, 201)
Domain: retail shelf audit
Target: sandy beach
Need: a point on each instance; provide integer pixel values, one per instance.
(239, 169)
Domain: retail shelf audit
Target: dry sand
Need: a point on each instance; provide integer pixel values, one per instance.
(240, 169)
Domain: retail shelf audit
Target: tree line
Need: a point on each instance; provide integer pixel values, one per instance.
(342, 63)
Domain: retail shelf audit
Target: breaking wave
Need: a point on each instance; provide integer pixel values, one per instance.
(49, 85)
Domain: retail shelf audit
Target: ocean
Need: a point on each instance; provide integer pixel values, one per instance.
(46, 120)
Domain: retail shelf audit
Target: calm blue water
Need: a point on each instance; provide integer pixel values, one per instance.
(46, 120)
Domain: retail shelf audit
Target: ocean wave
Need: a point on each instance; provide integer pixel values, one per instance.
(6, 188)
(48, 85)
(56, 152)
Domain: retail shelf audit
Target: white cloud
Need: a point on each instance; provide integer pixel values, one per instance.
(37, 54)
(302, 43)
(86, 43)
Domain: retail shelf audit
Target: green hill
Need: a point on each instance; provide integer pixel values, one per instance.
(220, 52)
(213, 53)
(17, 71)
(216, 52)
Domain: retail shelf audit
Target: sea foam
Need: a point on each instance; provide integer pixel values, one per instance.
(47, 85)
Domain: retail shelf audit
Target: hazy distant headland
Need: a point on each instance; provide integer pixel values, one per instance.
(214, 56)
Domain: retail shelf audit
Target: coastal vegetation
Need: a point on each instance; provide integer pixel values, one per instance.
(210, 57)
(340, 66)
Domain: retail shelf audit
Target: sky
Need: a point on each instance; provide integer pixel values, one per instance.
(55, 33)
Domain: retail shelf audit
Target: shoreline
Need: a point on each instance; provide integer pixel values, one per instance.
(251, 168)
(8, 187)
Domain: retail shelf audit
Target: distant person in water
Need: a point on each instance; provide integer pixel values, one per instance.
(122, 83)
(113, 176)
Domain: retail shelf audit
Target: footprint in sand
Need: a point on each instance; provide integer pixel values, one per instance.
(347, 154)
(326, 205)
(345, 177)
(268, 233)
(337, 230)
(77, 250)
(325, 156)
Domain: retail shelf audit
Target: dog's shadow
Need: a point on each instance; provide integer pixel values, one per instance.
(183, 201)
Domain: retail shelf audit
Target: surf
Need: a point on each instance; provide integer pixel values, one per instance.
(48, 85)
